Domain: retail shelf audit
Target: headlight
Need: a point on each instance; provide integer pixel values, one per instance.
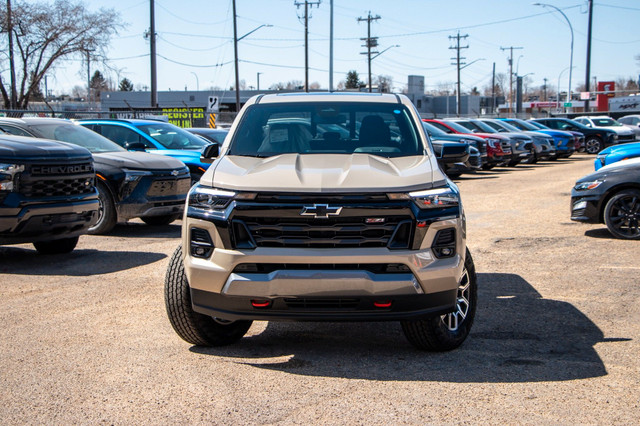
(7, 174)
(207, 198)
(135, 175)
(583, 186)
(435, 198)
(494, 143)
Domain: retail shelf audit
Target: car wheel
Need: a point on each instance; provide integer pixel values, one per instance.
(160, 220)
(191, 326)
(593, 145)
(447, 332)
(107, 217)
(60, 246)
(622, 214)
(487, 166)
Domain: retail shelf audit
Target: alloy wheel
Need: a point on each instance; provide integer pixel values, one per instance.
(624, 216)
(454, 319)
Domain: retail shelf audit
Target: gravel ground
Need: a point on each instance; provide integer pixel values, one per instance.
(85, 338)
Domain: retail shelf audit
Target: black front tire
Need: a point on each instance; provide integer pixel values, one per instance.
(160, 220)
(107, 216)
(593, 145)
(447, 332)
(191, 326)
(60, 246)
(622, 214)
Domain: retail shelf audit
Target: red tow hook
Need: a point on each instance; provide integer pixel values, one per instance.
(382, 304)
(261, 303)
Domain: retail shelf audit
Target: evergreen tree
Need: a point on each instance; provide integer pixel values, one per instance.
(125, 85)
(353, 80)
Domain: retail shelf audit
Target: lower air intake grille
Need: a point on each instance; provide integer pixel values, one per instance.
(322, 303)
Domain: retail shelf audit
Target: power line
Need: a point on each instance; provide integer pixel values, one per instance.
(510, 48)
(370, 42)
(458, 62)
(306, 3)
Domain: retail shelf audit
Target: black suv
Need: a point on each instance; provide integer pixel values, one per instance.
(595, 140)
(47, 193)
(130, 184)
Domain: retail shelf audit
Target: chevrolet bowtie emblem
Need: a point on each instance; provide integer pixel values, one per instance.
(322, 211)
(175, 172)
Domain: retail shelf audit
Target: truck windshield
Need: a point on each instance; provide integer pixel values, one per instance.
(386, 130)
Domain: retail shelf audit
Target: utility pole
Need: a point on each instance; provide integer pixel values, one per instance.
(14, 94)
(306, 3)
(588, 74)
(370, 42)
(331, 45)
(458, 63)
(493, 89)
(511, 48)
(152, 43)
(545, 89)
(89, 77)
(235, 55)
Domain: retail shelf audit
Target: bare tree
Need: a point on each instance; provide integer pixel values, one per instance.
(44, 34)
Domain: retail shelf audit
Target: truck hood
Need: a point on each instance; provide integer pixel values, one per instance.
(17, 148)
(137, 160)
(321, 173)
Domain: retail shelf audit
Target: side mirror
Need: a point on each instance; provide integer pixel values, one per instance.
(454, 153)
(135, 146)
(209, 153)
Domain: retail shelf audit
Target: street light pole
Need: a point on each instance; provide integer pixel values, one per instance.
(236, 39)
(558, 96)
(197, 81)
(258, 79)
(571, 56)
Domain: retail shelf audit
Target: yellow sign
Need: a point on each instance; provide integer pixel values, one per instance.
(212, 121)
(183, 117)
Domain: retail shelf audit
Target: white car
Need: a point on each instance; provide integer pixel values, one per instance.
(603, 122)
(632, 122)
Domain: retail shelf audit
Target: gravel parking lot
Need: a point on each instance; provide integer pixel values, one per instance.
(85, 338)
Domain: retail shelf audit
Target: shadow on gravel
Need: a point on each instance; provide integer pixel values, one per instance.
(600, 233)
(142, 230)
(517, 337)
(78, 263)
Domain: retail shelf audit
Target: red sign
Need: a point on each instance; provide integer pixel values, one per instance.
(606, 90)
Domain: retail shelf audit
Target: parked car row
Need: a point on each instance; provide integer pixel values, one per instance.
(129, 184)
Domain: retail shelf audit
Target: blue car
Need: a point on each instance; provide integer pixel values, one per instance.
(156, 137)
(564, 141)
(616, 153)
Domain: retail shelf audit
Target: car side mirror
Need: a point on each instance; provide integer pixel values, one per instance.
(458, 153)
(135, 146)
(209, 153)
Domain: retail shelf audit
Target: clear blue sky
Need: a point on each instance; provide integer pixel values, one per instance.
(195, 41)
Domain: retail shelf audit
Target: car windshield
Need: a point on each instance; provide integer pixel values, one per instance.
(498, 127)
(508, 126)
(605, 122)
(172, 137)
(538, 125)
(77, 135)
(457, 127)
(478, 126)
(522, 125)
(433, 130)
(383, 129)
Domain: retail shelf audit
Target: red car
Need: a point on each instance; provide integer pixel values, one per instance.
(498, 147)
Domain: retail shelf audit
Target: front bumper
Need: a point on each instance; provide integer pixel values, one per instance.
(153, 196)
(585, 207)
(325, 284)
(40, 221)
